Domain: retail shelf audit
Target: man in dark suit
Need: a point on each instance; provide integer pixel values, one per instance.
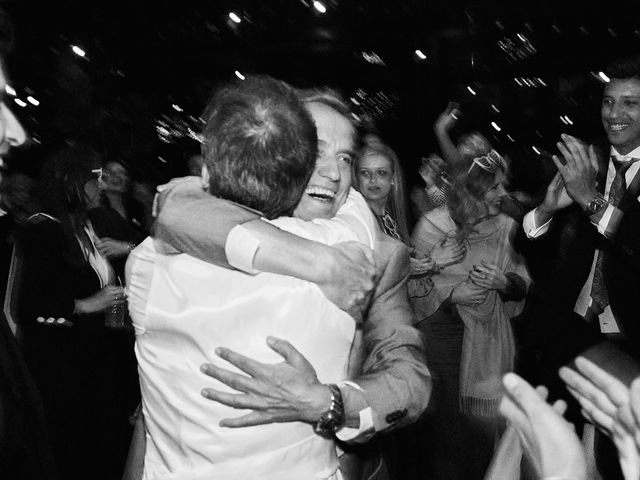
(592, 209)
(389, 383)
(584, 239)
(24, 449)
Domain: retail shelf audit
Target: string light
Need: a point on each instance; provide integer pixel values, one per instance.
(78, 51)
(420, 55)
(373, 58)
(33, 101)
(239, 75)
(604, 77)
(234, 17)
(471, 90)
(10, 90)
(496, 126)
(319, 7)
(20, 102)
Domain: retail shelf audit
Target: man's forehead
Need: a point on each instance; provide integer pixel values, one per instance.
(331, 123)
(623, 87)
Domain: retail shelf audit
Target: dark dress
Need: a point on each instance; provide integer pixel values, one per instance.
(74, 368)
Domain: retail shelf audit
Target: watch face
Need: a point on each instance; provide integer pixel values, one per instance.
(595, 205)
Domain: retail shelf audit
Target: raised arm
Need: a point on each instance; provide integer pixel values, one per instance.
(442, 128)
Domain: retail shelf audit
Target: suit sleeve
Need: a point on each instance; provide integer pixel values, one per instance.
(43, 291)
(191, 221)
(395, 378)
(626, 235)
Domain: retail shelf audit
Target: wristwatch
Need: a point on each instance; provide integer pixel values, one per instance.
(595, 205)
(333, 419)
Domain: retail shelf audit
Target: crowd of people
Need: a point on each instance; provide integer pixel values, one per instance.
(278, 315)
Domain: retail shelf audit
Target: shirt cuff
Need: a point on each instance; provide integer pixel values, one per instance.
(607, 222)
(366, 420)
(530, 228)
(241, 248)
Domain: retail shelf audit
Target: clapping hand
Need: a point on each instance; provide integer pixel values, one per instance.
(548, 440)
(556, 197)
(578, 170)
(608, 404)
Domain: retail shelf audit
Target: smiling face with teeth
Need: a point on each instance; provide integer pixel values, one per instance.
(621, 113)
(330, 182)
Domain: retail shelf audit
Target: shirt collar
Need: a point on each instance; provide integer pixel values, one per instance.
(635, 153)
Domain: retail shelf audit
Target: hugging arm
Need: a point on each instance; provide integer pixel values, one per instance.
(189, 220)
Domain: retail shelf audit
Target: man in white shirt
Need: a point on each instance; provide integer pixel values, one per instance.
(324, 190)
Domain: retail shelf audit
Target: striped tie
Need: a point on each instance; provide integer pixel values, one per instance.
(618, 187)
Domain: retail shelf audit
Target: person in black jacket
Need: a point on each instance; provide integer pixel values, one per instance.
(66, 287)
(24, 447)
(584, 238)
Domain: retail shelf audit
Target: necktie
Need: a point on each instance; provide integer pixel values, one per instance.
(619, 184)
(618, 187)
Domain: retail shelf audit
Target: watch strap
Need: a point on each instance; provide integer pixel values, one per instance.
(332, 419)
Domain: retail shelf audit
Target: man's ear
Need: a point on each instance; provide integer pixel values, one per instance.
(204, 176)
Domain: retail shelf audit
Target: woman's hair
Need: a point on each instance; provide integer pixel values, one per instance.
(466, 201)
(62, 193)
(396, 201)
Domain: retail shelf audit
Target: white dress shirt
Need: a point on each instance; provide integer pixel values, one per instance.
(182, 309)
(606, 225)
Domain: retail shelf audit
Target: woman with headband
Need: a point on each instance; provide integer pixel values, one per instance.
(466, 317)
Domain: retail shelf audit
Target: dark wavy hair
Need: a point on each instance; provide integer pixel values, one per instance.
(260, 145)
(624, 68)
(62, 195)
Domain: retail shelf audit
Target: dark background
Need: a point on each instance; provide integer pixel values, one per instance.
(143, 57)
